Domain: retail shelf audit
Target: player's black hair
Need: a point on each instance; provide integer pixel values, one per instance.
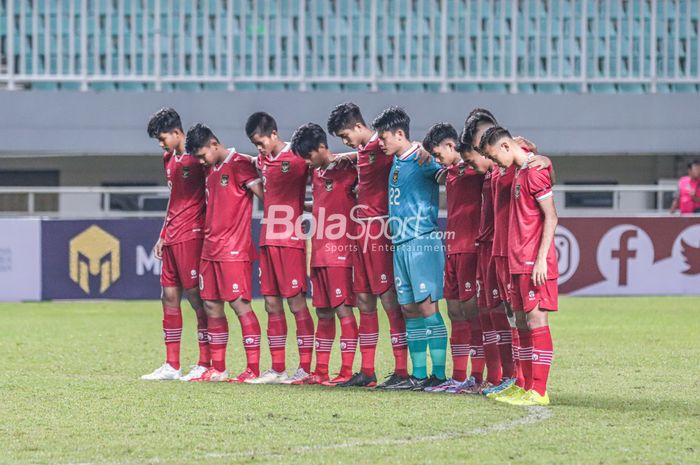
(483, 112)
(198, 136)
(471, 126)
(694, 162)
(164, 120)
(392, 119)
(260, 123)
(439, 133)
(308, 138)
(344, 116)
(492, 136)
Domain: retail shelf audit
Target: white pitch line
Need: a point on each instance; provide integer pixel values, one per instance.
(534, 415)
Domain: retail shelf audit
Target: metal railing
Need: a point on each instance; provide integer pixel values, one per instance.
(499, 45)
(99, 202)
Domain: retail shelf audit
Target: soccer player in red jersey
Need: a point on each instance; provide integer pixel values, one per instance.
(500, 332)
(332, 250)
(180, 244)
(228, 250)
(532, 259)
(282, 252)
(463, 185)
(373, 261)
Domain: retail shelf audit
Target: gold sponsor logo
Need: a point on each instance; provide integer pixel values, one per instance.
(94, 252)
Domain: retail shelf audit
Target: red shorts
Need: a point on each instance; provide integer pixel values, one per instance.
(503, 277)
(460, 276)
(526, 296)
(373, 263)
(331, 287)
(225, 281)
(181, 264)
(282, 271)
(487, 295)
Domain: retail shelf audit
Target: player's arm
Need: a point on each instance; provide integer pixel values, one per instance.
(521, 141)
(546, 203)
(158, 248)
(349, 156)
(422, 156)
(256, 188)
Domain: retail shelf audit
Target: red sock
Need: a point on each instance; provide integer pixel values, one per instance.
(542, 353)
(277, 339)
(203, 338)
(305, 338)
(397, 330)
(504, 341)
(250, 329)
(476, 350)
(172, 333)
(525, 352)
(218, 339)
(491, 353)
(348, 344)
(517, 366)
(459, 344)
(369, 335)
(325, 335)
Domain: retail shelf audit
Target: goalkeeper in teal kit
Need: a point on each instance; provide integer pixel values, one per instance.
(419, 258)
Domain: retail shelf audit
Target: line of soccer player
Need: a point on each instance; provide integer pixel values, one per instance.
(374, 237)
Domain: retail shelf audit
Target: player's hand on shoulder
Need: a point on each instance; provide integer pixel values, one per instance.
(422, 156)
(539, 162)
(520, 140)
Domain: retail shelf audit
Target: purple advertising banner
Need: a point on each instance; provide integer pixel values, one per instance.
(105, 259)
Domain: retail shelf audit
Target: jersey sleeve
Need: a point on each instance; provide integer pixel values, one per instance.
(540, 183)
(246, 174)
(432, 169)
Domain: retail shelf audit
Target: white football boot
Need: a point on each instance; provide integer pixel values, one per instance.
(163, 373)
(195, 372)
(297, 376)
(269, 377)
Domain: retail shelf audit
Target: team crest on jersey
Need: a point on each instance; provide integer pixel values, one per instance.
(224, 180)
(285, 167)
(517, 191)
(329, 185)
(461, 170)
(186, 172)
(372, 157)
(395, 176)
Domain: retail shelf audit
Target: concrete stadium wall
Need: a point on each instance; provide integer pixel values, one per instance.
(73, 123)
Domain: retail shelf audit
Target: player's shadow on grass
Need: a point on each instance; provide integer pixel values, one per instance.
(641, 402)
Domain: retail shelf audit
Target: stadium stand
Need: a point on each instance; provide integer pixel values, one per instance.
(528, 46)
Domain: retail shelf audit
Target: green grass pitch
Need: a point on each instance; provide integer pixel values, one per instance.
(624, 389)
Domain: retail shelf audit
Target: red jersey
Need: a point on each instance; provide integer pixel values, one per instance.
(334, 197)
(284, 182)
(184, 219)
(373, 167)
(501, 186)
(228, 234)
(463, 186)
(530, 186)
(486, 220)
